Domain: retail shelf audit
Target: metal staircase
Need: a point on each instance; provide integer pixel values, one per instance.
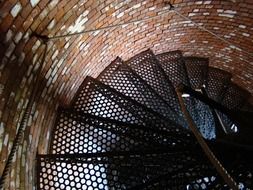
(126, 130)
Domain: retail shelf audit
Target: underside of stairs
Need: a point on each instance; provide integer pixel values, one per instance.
(126, 129)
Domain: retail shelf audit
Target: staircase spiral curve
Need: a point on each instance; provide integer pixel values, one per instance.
(126, 130)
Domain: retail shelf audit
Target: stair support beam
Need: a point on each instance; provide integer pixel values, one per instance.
(208, 152)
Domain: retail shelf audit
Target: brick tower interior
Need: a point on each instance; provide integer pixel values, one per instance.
(219, 30)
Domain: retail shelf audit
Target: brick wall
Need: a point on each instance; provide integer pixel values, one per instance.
(70, 59)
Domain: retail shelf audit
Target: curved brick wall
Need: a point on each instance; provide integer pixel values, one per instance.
(70, 59)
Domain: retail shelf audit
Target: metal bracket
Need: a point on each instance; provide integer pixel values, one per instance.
(43, 38)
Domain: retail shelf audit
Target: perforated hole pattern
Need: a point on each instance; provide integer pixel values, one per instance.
(217, 81)
(174, 67)
(100, 100)
(197, 69)
(116, 171)
(76, 133)
(126, 81)
(147, 67)
(235, 97)
(83, 134)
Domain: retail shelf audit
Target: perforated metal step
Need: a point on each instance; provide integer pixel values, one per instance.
(100, 100)
(174, 67)
(147, 67)
(197, 69)
(76, 132)
(234, 97)
(122, 78)
(217, 81)
(118, 170)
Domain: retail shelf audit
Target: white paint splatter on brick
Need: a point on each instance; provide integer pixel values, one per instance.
(34, 2)
(51, 24)
(185, 22)
(96, 33)
(195, 10)
(230, 12)
(182, 34)
(35, 57)
(8, 35)
(120, 15)
(59, 64)
(152, 8)
(55, 54)
(66, 45)
(246, 34)
(21, 58)
(54, 71)
(44, 13)
(55, 78)
(137, 6)
(64, 70)
(130, 33)
(52, 4)
(6, 139)
(227, 15)
(16, 9)
(198, 2)
(80, 21)
(49, 82)
(242, 26)
(191, 14)
(48, 73)
(26, 36)
(81, 45)
(207, 2)
(206, 14)
(36, 45)
(18, 37)
(10, 49)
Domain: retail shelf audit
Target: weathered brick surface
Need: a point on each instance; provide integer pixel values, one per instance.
(70, 59)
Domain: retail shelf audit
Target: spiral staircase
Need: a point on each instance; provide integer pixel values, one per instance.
(126, 129)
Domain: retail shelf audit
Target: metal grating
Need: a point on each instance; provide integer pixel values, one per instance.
(205, 122)
(147, 67)
(100, 100)
(86, 134)
(174, 67)
(76, 132)
(197, 69)
(118, 170)
(122, 78)
(235, 97)
(217, 81)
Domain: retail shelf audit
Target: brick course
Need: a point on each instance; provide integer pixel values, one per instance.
(69, 60)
